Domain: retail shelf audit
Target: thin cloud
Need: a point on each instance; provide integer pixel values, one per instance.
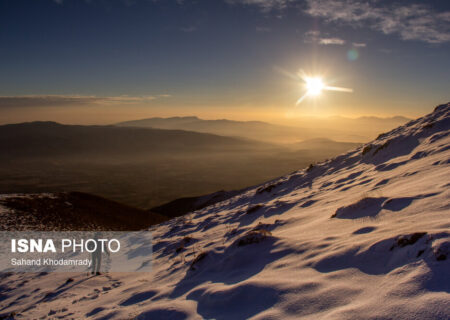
(72, 100)
(359, 44)
(314, 36)
(410, 22)
(332, 41)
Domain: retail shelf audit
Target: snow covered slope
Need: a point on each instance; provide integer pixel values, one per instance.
(361, 236)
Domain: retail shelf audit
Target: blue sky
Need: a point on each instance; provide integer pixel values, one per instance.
(220, 58)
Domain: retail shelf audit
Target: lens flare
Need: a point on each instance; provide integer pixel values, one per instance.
(352, 54)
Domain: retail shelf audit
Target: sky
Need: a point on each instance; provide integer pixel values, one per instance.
(98, 61)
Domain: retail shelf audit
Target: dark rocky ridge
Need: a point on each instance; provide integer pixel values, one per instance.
(71, 211)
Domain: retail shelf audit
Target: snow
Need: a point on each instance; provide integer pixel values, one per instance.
(361, 236)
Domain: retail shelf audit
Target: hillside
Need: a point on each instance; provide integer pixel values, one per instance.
(70, 211)
(362, 236)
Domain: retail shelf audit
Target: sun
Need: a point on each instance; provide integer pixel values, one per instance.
(314, 86)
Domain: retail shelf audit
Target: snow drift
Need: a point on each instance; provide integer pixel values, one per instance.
(361, 236)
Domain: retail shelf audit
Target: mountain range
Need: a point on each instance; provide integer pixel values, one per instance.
(51, 139)
(339, 128)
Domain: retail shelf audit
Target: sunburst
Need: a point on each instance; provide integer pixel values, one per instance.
(315, 85)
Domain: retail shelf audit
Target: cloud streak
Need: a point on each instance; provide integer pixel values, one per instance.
(333, 41)
(410, 22)
(314, 36)
(72, 100)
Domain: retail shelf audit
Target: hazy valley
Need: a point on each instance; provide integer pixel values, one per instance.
(147, 167)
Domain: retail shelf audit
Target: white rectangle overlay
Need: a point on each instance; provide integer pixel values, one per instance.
(75, 251)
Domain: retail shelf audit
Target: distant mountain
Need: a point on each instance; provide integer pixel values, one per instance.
(47, 139)
(400, 119)
(256, 130)
(344, 129)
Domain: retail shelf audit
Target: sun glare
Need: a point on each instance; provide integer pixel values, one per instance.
(314, 86)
